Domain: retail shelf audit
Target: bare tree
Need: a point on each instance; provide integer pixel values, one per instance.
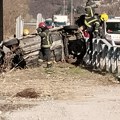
(12, 9)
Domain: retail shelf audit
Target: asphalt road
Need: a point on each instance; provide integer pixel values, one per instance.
(104, 104)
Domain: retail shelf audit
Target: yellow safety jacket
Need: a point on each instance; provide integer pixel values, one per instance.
(92, 23)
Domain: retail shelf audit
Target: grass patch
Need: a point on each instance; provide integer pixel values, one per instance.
(77, 70)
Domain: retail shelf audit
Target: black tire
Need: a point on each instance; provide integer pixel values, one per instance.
(70, 27)
(11, 42)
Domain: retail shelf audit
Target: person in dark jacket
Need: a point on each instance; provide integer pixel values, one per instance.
(45, 52)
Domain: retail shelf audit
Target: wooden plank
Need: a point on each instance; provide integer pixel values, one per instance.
(32, 47)
(31, 51)
(29, 45)
(29, 40)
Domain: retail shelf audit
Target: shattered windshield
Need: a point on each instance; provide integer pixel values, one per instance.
(113, 27)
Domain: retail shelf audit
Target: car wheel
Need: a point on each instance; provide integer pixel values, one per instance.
(11, 42)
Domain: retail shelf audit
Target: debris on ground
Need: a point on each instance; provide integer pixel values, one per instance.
(27, 93)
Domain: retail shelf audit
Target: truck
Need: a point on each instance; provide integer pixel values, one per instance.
(60, 20)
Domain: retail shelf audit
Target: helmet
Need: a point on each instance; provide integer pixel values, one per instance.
(89, 11)
(25, 32)
(104, 17)
(42, 25)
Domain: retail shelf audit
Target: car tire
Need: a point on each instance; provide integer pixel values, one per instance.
(11, 42)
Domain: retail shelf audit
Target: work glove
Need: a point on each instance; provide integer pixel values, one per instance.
(39, 30)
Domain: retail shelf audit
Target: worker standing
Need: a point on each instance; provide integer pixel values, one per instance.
(91, 22)
(92, 26)
(45, 52)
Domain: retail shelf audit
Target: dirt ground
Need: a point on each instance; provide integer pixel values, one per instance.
(62, 85)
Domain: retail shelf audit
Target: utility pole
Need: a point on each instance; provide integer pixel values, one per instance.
(1, 20)
(64, 7)
(71, 12)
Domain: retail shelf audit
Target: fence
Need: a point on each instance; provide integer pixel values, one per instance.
(20, 23)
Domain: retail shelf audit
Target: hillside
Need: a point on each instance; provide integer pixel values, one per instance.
(29, 9)
(12, 9)
(50, 7)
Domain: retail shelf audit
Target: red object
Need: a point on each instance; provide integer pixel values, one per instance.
(110, 31)
(42, 25)
(49, 27)
(86, 34)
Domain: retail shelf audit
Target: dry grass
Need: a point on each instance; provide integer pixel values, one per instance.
(25, 88)
(12, 9)
(59, 80)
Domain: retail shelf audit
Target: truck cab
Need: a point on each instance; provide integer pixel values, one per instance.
(112, 30)
(60, 20)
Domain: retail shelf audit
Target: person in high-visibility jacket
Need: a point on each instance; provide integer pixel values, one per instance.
(91, 22)
(45, 52)
(92, 26)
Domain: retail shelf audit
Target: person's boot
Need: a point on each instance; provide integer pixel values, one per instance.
(49, 64)
(40, 62)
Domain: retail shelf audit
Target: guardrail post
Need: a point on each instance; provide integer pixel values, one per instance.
(103, 59)
(19, 27)
(99, 51)
(94, 52)
(87, 55)
(109, 55)
(39, 19)
(118, 61)
(114, 60)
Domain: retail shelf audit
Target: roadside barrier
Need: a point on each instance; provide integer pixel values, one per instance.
(104, 56)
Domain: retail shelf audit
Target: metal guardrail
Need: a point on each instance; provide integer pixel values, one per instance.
(104, 56)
